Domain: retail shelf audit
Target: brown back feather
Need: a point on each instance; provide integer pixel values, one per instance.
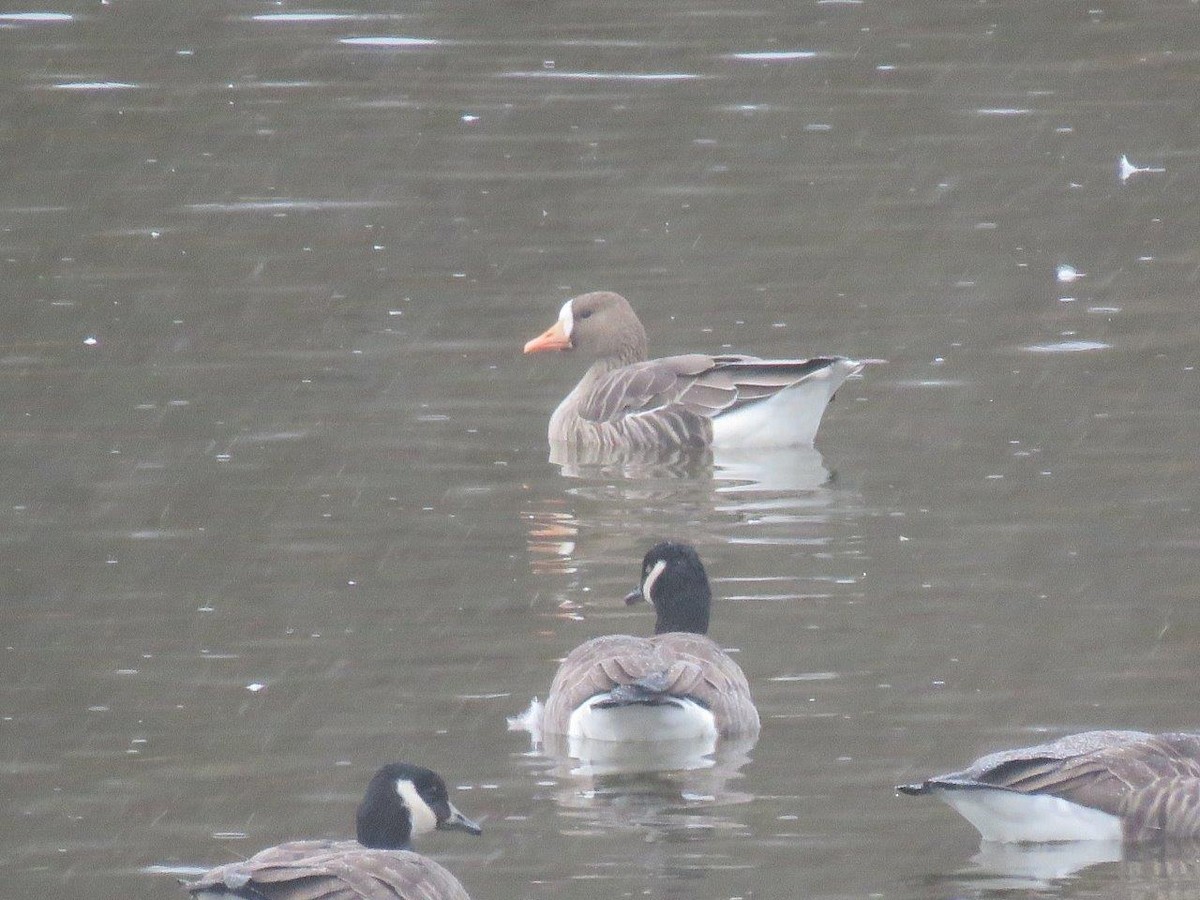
(327, 870)
(694, 665)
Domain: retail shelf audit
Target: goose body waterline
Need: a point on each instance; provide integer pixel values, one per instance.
(677, 685)
(626, 400)
(1097, 785)
(401, 800)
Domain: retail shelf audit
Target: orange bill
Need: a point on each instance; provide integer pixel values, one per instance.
(553, 338)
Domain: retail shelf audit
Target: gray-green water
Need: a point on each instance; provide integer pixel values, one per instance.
(273, 480)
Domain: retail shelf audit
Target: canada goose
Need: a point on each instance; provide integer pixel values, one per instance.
(625, 401)
(401, 800)
(676, 685)
(1097, 785)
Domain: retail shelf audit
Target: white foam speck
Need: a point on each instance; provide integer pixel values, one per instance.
(1127, 169)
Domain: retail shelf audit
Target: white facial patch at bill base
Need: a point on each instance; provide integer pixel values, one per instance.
(651, 577)
(566, 318)
(423, 817)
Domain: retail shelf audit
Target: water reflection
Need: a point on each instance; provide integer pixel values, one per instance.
(771, 497)
(780, 469)
(626, 784)
(1148, 871)
(999, 866)
(674, 807)
(777, 469)
(590, 757)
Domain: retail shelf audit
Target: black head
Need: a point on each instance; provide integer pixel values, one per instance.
(674, 580)
(403, 800)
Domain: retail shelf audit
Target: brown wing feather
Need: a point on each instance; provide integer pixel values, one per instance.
(1152, 782)
(694, 383)
(324, 870)
(642, 387)
(694, 665)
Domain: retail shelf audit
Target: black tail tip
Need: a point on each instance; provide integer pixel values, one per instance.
(913, 790)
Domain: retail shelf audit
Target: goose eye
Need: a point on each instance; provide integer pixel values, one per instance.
(586, 314)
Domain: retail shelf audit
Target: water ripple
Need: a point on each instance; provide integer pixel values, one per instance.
(1068, 347)
(94, 86)
(303, 17)
(37, 17)
(603, 76)
(394, 42)
(774, 55)
(285, 205)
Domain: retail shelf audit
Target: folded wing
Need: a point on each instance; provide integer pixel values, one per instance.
(685, 665)
(325, 870)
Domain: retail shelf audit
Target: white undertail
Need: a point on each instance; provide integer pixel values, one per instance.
(680, 719)
(1010, 816)
(789, 418)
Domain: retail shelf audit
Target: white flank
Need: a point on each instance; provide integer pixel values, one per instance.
(681, 720)
(789, 418)
(1009, 817)
(423, 818)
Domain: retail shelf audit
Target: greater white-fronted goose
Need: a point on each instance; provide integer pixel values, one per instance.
(676, 685)
(402, 800)
(1098, 785)
(625, 401)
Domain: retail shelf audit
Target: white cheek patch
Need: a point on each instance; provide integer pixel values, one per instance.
(566, 318)
(651, 577)
(423, 818)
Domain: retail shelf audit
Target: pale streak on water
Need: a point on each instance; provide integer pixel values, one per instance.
(274, 477)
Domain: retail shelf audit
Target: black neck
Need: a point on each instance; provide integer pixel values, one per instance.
(383, 820)
(683, 605)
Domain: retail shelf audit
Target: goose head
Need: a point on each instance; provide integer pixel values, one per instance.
(674, 580)
(403, 800)
(600, 324)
